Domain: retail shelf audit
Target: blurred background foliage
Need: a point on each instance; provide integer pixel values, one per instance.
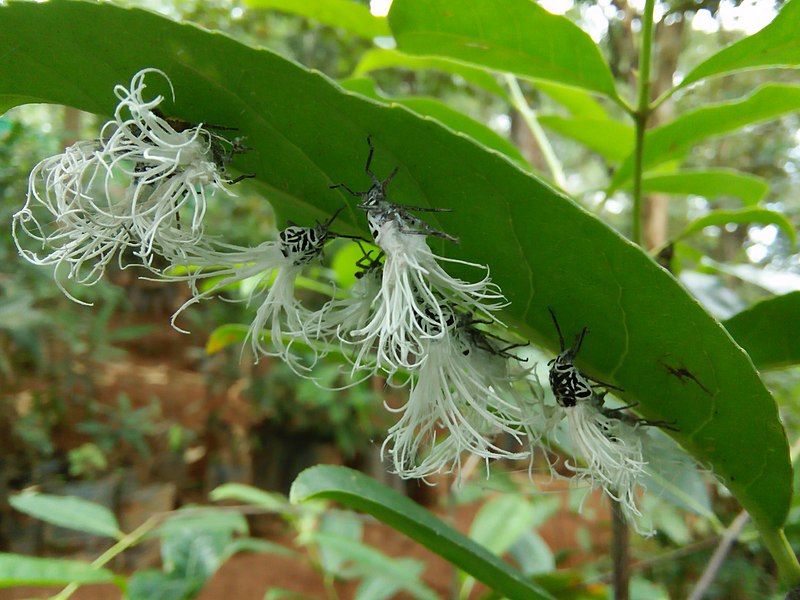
(110, 393)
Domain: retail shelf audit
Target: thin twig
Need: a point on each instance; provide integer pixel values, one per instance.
(720, 554)
(123, 544)
(532, 121)
(729, 536)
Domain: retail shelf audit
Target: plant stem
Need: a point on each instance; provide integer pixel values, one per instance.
(621, 533)
(620, 545)
(641, 116)
(778, 546)
(532, 121)
(123, 544)
(776, 543)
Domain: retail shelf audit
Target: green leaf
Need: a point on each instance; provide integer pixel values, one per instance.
(533, 554)
(772, 280)
(17, 570)
(68, 511)
(641, 588)
(247, 494)
(611, 139)
(226, 335)
(151, 584)
(514, 36)
(777, 45)
(346, 525)
(436, 109)
(369, 562)
(236, 333)
(358, 491)
(499, 524)
(345, 14)
(709, 184)
(676, 480)
(194, 554)
(721, 218)
(578, 102)
(378, 58)
(207, 519)
(769, 331)
(259, 547)
(767, 102)
(543, 250)
(501, 521)
(282, 594)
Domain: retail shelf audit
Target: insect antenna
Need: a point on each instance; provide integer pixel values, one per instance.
(333, 218)
(372, 175)
(558, 329)
(579, 341)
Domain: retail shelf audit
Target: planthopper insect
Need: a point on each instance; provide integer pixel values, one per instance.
(571, 386)
(380, 209)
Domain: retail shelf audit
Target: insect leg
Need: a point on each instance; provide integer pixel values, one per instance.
(240, 178)
(351, 192)
(407, 207)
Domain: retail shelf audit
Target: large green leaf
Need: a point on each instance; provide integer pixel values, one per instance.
(769, 331)
(611, 139)
(347, 14)
(449, 117)
(709, 183)
(68, 511)
(543, 249)
(515, 36)
(364, 494)
(767, 102)
(777, 45)
(17, 570)
(761, 216)
(380, 58)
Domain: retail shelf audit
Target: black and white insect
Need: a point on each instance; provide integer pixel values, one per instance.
(381, 210)
(487, 341)
(570, 385)
(368, 264)
(304, 244)
(222, 149)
